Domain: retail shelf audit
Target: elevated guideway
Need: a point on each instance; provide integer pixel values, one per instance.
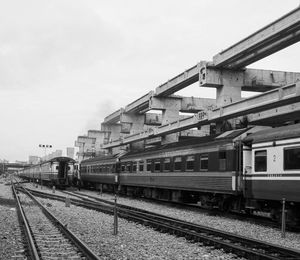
(227, 73)
(282, 102)
(272, 38)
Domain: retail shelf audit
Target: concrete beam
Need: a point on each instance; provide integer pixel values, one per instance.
(179, 82)
(153, 119)
(151, 102)
(269, 100)
(248, 79)
(276, 36)
(140, 105)
(182, 104)
(153, 141)
(114, 117)
(276, 116)
(194, 105)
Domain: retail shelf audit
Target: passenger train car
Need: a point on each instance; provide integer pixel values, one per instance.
(58, 171)
(241, 170)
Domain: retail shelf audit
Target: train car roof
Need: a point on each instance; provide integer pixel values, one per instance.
(61, 159)
(101, 158)
(205, 140)
(273, 134)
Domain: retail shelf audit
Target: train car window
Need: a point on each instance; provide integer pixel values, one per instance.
(149, 164)
(177, 164)
(122, 167)
(109, 168)
(260, 161)
(141, 166)
(291, 158)
(134, 166)
(157, 165)
(190, 163)
(128, 167)
(222, 160)
(56, 168)
(167, 164)
(203, 162)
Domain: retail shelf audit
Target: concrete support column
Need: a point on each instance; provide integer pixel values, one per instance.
(111, 131)
(85, 144)
(100, 136)
(169, 115)
(132, 123)
(231, 89)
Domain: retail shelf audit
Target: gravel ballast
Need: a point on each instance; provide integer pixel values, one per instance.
(134, 241)
(245, 228)
(11, 242)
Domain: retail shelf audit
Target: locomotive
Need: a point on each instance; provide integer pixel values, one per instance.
(58, 171)
(241, 170)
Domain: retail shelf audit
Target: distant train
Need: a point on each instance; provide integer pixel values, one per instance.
(240, 170)
(58, 171)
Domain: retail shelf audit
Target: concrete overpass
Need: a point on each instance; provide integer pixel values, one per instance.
(227, 73)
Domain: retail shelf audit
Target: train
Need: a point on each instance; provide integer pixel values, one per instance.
(245, 170)
(58, 171)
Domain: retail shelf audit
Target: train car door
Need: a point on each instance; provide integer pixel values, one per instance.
(62, 170)
(247, 171)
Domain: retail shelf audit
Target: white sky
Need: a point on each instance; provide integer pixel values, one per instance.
(66, 64)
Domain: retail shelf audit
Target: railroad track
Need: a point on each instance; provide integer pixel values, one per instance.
(255, 219)
(239, 245)
(46, 236)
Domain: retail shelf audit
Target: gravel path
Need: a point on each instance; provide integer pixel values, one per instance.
(11, 242)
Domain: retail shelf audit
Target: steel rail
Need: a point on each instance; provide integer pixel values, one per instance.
(240, 245)
(206, 233)
(88, 253)
(28, 233)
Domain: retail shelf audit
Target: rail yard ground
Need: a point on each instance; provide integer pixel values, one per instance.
(11, 243)
(133, 241)
(245, 228)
